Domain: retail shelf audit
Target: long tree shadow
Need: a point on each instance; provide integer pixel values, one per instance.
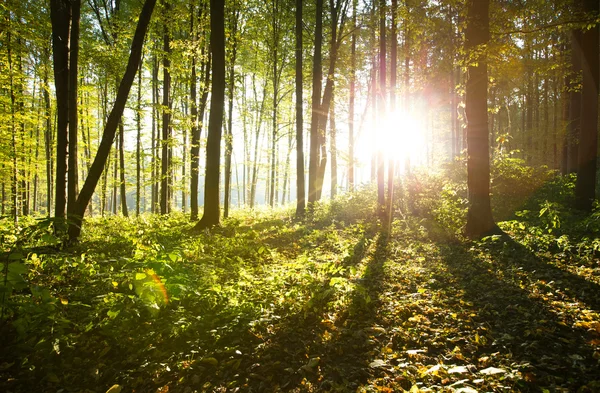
(518, 329)
(328, 345)
(510, 255)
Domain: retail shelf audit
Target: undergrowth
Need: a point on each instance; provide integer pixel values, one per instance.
(267, 302)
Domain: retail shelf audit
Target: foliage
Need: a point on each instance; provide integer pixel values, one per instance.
(267, 302)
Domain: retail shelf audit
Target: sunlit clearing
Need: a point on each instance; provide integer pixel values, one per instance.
(400, 136)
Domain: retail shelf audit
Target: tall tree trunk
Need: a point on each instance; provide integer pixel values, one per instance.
(211, 215)
(585, 188)
(575, 102)
(73, 178)
(60, 15)
(315, 151)
(165, 164)
(479, 214)
(13, 126)
(124, 209)
(382, 109)
(113, 120)
(352, 100)
(393, 71)
(229, 133)
(154, 158)
(194, 134)
(48, 137)
(300, 177)
(256, 161)
(333, 148)
(138, 145)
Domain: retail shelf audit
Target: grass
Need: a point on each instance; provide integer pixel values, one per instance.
(268, 303)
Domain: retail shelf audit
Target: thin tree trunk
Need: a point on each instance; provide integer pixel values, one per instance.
(393, 71)
(124, 209)
(211, 215)
(351, 104)
(138, 146)
(166, 122)
(48, 137)
(382, 108)
(315, 152)
(73, 178)
(229, 133)
(575, 103)
(333, 147)
(60, 15)
(14, 171)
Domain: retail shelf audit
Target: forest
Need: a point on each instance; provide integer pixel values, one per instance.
(299, 196)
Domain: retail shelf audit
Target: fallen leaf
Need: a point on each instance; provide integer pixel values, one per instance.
(492, 371)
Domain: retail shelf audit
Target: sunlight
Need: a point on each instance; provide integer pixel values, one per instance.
(399, 136)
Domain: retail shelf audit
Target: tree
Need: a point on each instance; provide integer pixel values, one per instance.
(315, 137)
(60, 15)
(585, 188)
(165, 162)
(211, 215)
(382, 108)
(300, 190)
(112, 123)
(479, 216)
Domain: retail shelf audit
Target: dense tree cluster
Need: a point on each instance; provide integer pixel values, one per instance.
(228, 93)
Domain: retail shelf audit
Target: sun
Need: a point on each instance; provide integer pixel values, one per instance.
(399, 135)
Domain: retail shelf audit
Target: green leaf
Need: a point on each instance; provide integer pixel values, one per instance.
(17, 267)
(15, 256)
(112, 314)
(140, 276)
(209, 361)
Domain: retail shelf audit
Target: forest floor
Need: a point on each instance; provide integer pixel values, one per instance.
(266, 303)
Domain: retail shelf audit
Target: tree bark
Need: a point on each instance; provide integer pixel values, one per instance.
(382, 109)
(315, 151)
(211, 215)
(73, 178)
(138, 145)
(351, 104)
(479, 215)
(575, 102)
(60, 16)
(165, 163)
(300, 177)
(585, 187)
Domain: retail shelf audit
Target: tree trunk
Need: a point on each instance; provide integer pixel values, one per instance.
(113, 120)
(393, 71)
(211, 213)
(352, 100)
(138, 145)
(575, 103)
(300, 177)
(333, 148)
(60, 16)
(315, 151)
(382, 109)
(48, 137)
(73, 178)
(229, 133)
(585, 188)
(124, 209)
(14, 169)
(479, 215)
(165, 163)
